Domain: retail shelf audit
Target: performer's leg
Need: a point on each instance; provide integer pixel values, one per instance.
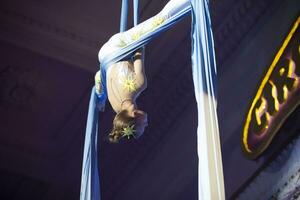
(174, 6)
(120, 40)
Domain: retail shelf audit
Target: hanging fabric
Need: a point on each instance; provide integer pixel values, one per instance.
(210, 172)
(121, 45)
(90, 187)
(135, 12)
(90, 179)
(124, 15)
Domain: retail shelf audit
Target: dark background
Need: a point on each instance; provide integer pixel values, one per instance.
(48, 60)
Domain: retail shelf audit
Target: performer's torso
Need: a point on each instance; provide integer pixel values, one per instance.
(123, 83)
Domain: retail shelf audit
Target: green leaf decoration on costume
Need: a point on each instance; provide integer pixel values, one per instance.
(129, 84)
(158, 20)
(122, 42)
(136, 35)
(128, 131)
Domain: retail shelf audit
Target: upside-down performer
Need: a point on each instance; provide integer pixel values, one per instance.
(122, 78)
(126, 79)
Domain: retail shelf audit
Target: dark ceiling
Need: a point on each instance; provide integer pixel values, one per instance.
(48, 60)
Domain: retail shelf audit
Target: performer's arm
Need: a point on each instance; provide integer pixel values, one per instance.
(138, 61)
(138, 64)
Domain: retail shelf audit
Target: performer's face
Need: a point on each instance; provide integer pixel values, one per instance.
(141, 122)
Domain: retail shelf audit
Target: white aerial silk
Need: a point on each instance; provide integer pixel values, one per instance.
(210, 174)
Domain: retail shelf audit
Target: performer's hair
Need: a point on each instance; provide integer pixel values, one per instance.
(121, 120)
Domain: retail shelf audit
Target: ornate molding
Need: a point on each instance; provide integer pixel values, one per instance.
(18, 86)
(23, 20)
(57, 41)
(49, 40)
(230, 33)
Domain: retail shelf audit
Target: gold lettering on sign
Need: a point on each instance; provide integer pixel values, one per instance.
(277, 96)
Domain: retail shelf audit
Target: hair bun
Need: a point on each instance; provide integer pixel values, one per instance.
(114, 136)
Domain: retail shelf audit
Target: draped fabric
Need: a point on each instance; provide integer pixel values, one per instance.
(90, 179)
(210, 172)
(90, 187)
(121, 46)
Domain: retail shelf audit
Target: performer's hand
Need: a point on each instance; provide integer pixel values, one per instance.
(139, 54)
(98, 83)
(138, 61)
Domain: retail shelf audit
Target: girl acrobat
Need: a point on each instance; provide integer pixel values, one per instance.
(126, 79)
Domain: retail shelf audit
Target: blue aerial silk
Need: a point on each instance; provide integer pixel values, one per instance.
(204, 76)
(90, 179)
(90, 187)
(210, 171)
